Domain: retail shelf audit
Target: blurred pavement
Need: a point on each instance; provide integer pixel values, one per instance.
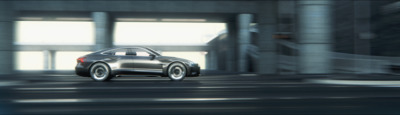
(208, 94)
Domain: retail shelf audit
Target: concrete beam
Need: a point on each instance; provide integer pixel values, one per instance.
(90, 47)
(191, 6)
(54, 47)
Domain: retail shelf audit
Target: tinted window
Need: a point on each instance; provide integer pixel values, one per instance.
(140, 52)
(119, 52)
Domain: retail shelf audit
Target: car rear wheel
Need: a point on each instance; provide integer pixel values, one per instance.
(100, 72)
(177, 72)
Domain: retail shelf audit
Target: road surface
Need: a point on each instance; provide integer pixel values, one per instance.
(218, 94)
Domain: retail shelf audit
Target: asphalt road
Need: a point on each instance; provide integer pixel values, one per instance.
(220, 94)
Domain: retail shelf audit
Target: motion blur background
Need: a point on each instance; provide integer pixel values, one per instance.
(256, 56)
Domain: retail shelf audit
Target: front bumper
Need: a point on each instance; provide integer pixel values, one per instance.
(194, 70)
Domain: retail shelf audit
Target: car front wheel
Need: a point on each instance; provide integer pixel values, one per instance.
(177, 72)
(100, 72)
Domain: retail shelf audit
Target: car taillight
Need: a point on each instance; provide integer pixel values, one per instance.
(81, 59)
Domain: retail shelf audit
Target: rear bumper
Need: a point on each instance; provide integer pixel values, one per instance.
(82, 70)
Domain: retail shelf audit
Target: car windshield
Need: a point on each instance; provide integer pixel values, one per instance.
(152, 51)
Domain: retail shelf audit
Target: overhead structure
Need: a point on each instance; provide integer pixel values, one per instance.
(243, 49)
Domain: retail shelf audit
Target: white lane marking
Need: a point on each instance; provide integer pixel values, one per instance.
(341, 97)
(255, 83)
(47, 92)
(388, 86)
(91, 88)
(51, 100)
(50, 88)
(105, 100)
(76, 109)
(340, 86)
(125, 88)
(206, 99)
(247, 74)
(127, 100)
(55, 83)
(9, 83)
(289, 98)
(355, 82)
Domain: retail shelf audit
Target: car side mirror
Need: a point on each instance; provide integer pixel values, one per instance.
(152, 56)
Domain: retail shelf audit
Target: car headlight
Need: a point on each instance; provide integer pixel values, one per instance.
(192, 63)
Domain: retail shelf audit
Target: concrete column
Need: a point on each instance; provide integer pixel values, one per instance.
(208, 60)
(49, 59)
(213, 59)
(244, 36)
(232, 46)
(267, 20)
(46, 59)
(103, 30)
(314, 36)
(6, 37)
(362, 36)
(52, 59)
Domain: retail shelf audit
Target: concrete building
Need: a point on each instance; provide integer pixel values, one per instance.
(368, 30)
(307, 24)
(352, 37)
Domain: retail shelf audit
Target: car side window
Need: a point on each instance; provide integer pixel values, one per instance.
(120, 53)
(140, 52)
(117, 52)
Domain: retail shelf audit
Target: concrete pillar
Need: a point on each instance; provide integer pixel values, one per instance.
(266, 23)
(244, 36)
(46, 59)
(53, 59)
(6, 37)
(213, 59)
(314, 36)
(103, 30)
(232, 47)
(49, 59)
(208, 60)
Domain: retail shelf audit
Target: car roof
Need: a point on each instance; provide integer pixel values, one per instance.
(141, 47)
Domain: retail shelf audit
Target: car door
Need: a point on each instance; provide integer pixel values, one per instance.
(145, 63)
(124, 60)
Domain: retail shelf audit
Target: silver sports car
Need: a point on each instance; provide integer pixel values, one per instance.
(106, 64)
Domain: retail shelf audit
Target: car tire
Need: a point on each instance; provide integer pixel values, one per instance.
(177, 72)
(100, 72)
